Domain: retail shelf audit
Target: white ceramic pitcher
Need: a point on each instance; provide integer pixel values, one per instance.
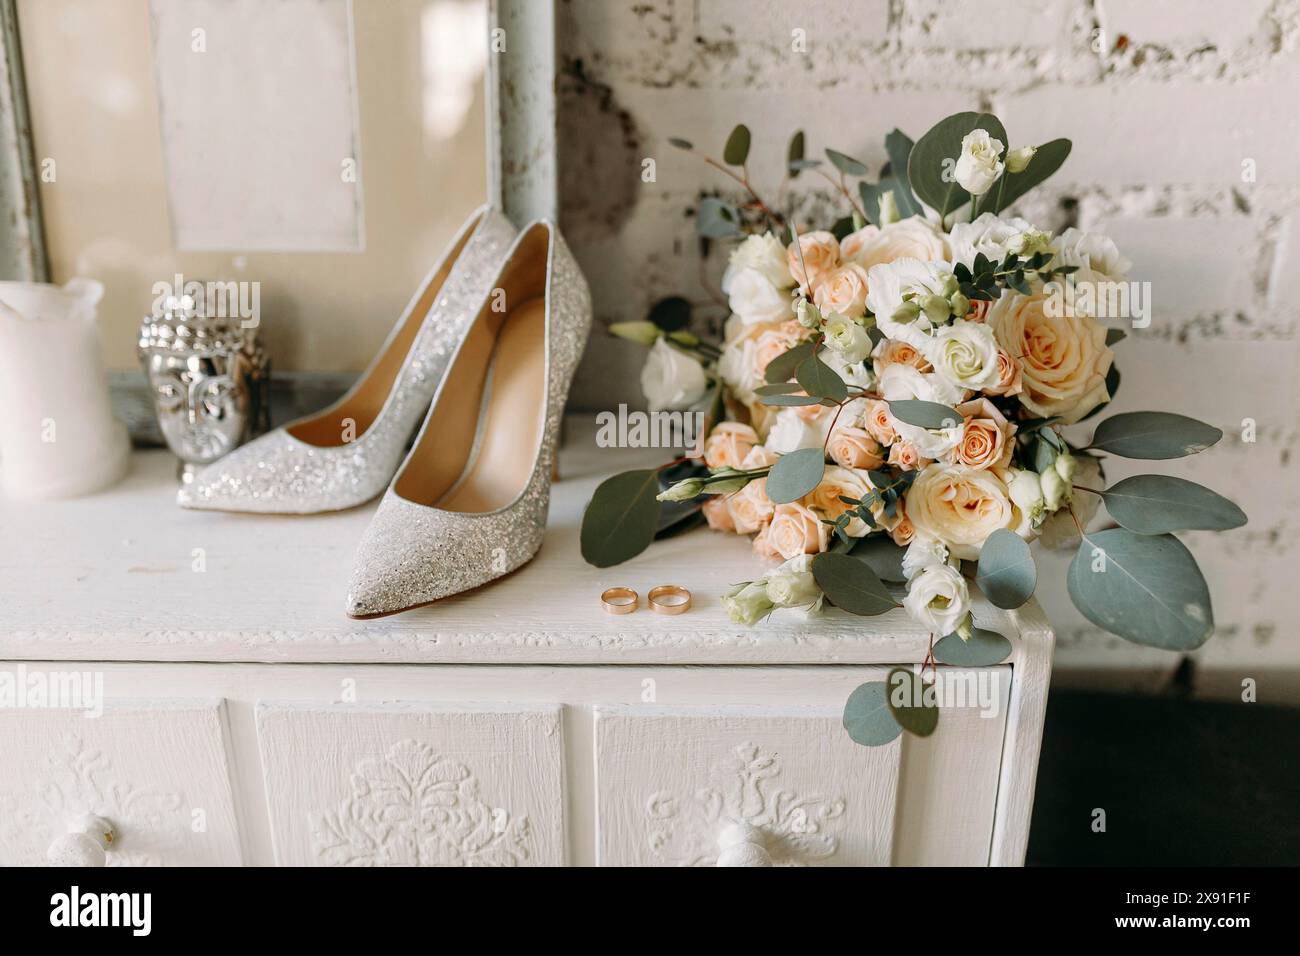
(58, 437)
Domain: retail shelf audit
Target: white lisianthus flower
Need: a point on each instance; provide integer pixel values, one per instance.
(848, 338)
(966, 355)
(1027, 495)
(671, 379)
(939, 598)
(980, 163)
(753, 298)
(792, 584)
(1058, 529)
(747, 603)
(987, 233)
(853, 373)
(923, 552)
(899, 382)
(1097, 257)
(790, 431)
(763, 254)
(1030, 242)
(888, 282)
(1056, 490)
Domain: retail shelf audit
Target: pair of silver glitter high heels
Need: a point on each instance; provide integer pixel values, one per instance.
(488, 345)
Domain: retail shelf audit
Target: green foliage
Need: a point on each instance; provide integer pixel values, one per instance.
(795, 475)
(850, 584)
(1011, 186)
(1153, 435)
(737, 149)
(922, 414)
(917, 712)
(867, 717)
(931, 162)
(982, 649)
(621, 518)
(1007, 574)
(1158, 504)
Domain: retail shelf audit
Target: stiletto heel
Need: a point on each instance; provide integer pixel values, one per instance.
(346, 454)
(469, 503)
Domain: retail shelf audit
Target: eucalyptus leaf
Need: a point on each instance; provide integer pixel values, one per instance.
(911, 702)
(794, 155)
(931, 164)
(818, 378)
(1158, 504)
(849, 583)
(1006, 574)
(789, 401)
(982, 649)
(778, 388)
(795, 475)
(681, 143)
(898, 145)
(782, 367)
(1114, 336)
(1153, 435)
(924, 414)
(1011, 186)
(867, 717)
(846, 164)
(882, 556)
(737, 149)
(1145, 588)
(621, 518)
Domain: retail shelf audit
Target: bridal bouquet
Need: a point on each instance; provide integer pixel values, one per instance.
(889, 403)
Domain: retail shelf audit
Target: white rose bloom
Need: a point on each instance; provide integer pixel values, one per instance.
(1097, 257)
(764, 254)
(923, 552)
(855, 373)
(939, 598)
(792, 584)
(980, 164)
(848, 338)
(989, 234)
(966, 355)
(899, 382)
(888, 282)
(753, 298)
(671, 379)
(790, 431)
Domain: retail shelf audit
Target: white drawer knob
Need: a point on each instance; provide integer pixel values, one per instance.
(85, 844)
(740, 844)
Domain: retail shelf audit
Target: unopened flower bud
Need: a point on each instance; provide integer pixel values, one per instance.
(936, 308)
(907, 312)
(683, 490)
(646, 333)
(960, 304)
(1018, 159)
(1066, 466)
(809, 316)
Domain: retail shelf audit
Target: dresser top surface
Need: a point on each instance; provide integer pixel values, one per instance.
(128, 575)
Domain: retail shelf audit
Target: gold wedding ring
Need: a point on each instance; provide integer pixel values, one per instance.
(669, 599)
(619, 601)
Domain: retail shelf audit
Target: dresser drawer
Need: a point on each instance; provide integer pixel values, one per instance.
(157, 771)
(413, 784)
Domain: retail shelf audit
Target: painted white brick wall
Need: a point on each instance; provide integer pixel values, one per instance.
(1186, 150)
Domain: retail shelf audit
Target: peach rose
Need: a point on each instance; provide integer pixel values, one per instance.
(986, 437)
(774, 341)
(728, 444)
(898, 352)
(796, 530)
(763, 544)
(852, 447)
(758, 457)
(1008, 375)
(911, 238)
(960, 506)
(979, 310)
(718, 515)
(750, 507)
(1063, 358)
(821, 254)
(904, 532)
(903, 454)
(840, 482)
(878, 423)
(843, 291)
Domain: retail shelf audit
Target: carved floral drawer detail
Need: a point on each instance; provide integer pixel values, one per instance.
(413, 785)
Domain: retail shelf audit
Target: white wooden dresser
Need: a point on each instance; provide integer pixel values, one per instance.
(249, 721)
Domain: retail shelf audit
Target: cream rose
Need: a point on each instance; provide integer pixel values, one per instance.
(987, 438)
(752, 298)
(1063, 359)
(903, 454)
(1008, 382)
(728, 445)
(904, 532)
(959, 505)
(843, 291)
(763, 253)
(845, 482)
(671, 379)
(902, 382)
(821, 254)
(750, 508)
(718, 514)
(878, 422)
(852, 447)
(775, 340)
(893, 352)
(911, 238)
(796, 529)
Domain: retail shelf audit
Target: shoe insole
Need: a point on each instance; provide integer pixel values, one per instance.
(512, 416)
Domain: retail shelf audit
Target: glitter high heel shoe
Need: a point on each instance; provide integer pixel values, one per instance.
(469, 503)
(346, 454)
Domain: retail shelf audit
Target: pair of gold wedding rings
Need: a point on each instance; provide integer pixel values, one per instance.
(665, 599)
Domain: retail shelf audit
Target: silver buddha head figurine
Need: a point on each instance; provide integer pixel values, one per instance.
(209, 378)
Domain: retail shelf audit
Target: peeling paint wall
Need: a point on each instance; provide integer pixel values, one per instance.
(1186, 147)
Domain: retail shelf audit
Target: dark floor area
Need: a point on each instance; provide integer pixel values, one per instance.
(1182, 783)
